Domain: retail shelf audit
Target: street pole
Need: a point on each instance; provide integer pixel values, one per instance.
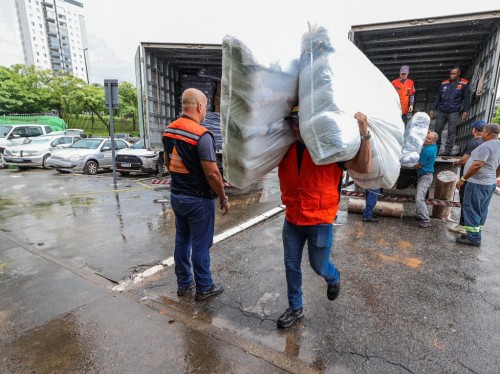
(85, 60)
(110, 102)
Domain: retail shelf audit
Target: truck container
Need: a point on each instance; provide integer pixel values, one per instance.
(431, 46)
(163, 71)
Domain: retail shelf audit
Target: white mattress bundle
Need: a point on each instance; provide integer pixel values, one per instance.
(414, 138)
(336, 80)
(256, 96)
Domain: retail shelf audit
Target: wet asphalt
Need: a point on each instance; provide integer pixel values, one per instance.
(412, 300)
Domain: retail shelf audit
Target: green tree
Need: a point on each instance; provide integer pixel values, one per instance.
(496, 119)
(24, 89)
(127, 94)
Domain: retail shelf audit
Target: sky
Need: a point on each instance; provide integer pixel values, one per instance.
(116, 27)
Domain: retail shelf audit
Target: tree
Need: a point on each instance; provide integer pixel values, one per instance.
(127, 101)
(496, 119)
(24, 89)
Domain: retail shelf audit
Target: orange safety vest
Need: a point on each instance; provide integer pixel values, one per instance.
(405, 90)
(311, 197)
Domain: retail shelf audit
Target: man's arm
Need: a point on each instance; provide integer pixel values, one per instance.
(362, 162)
(474, 168)
(462, 160)
(498, 171)
(466, 103)
(214, 179)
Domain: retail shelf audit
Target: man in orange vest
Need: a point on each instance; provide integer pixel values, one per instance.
(406, 91)
(189, 152)
(311, 195)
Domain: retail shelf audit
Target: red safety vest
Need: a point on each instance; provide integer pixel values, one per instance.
(312, 197)
(405, 90)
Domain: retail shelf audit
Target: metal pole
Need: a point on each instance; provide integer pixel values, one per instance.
(85, 60)
(112, 131)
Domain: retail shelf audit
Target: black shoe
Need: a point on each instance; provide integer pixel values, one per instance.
(214, 290)
(288, 318)
(333, 290)
(424, 224)
(371, 219)
(185, 290)
(468, 242)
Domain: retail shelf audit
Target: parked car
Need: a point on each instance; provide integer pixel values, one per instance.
(16, 134)
(35, 151)
(138, 159)
(87, 155)
(128, 137)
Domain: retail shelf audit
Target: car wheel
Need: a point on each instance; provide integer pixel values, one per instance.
(124, 173)
(44, 161)
(91, 168)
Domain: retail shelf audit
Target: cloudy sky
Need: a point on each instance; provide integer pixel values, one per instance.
(116, 27)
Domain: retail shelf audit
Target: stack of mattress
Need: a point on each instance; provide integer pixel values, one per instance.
(256, 96)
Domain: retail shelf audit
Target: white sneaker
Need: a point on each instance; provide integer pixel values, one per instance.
(458, 229)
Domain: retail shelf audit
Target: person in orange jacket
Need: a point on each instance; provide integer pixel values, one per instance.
(311, 194)
(406, 90)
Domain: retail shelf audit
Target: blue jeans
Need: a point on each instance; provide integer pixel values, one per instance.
(476, 201)
(452, 120)
(371, 198)
(194, 224)
(319, 241)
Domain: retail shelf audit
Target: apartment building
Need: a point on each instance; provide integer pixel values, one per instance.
(53, 35)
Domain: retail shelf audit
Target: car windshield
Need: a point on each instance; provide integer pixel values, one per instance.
(4, 130)
(87, 143)
(138, 145)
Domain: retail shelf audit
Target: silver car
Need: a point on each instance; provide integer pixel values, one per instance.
(137, 159)
(87, 155)
(35, 151)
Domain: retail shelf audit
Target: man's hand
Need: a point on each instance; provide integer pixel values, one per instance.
(460, 183)
(431, 114)
(464, 116)
(410, 109)
(224, 205)
(362, 122)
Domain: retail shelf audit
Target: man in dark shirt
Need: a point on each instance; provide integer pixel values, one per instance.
(477, 133)
(453, 96)
(196, 183)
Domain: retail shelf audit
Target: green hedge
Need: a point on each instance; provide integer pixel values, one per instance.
(84, 122)
(55, 123)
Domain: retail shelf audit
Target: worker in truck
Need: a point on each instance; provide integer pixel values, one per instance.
(311, 195)
(481, 172)
(406, 90)
(425, 172)
(477, 133)
(189, 152)
(453, 96)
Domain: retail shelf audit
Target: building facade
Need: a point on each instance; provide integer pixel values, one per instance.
(53, 35)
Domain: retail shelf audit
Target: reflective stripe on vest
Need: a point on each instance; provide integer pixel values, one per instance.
(312, 197)
(185, 129)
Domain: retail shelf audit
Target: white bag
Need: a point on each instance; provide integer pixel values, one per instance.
(336, 80)
(414, 138)
(255, 98)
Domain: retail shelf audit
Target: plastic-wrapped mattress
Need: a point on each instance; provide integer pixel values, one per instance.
(414, 138)
(336, 80)
(256, 96)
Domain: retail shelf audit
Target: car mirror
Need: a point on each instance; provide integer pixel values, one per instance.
(104, 149)
(14, 136)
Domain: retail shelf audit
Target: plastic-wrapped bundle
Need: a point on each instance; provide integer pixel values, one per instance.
(255, 98)
(414, 138)
(336, 80)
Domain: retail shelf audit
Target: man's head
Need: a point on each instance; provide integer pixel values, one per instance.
(454, 73)
(293, 121)
(478, 127)
(404, 71)
(431, 138)
(491, 131)
(194, 104)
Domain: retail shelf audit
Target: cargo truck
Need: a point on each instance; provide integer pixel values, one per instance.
(163, 71)
(431, 46)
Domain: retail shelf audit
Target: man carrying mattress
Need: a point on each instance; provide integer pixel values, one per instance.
(311, 196)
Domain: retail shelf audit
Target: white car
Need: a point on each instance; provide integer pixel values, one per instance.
(87, 155)
(36, 151)
(137, 159)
